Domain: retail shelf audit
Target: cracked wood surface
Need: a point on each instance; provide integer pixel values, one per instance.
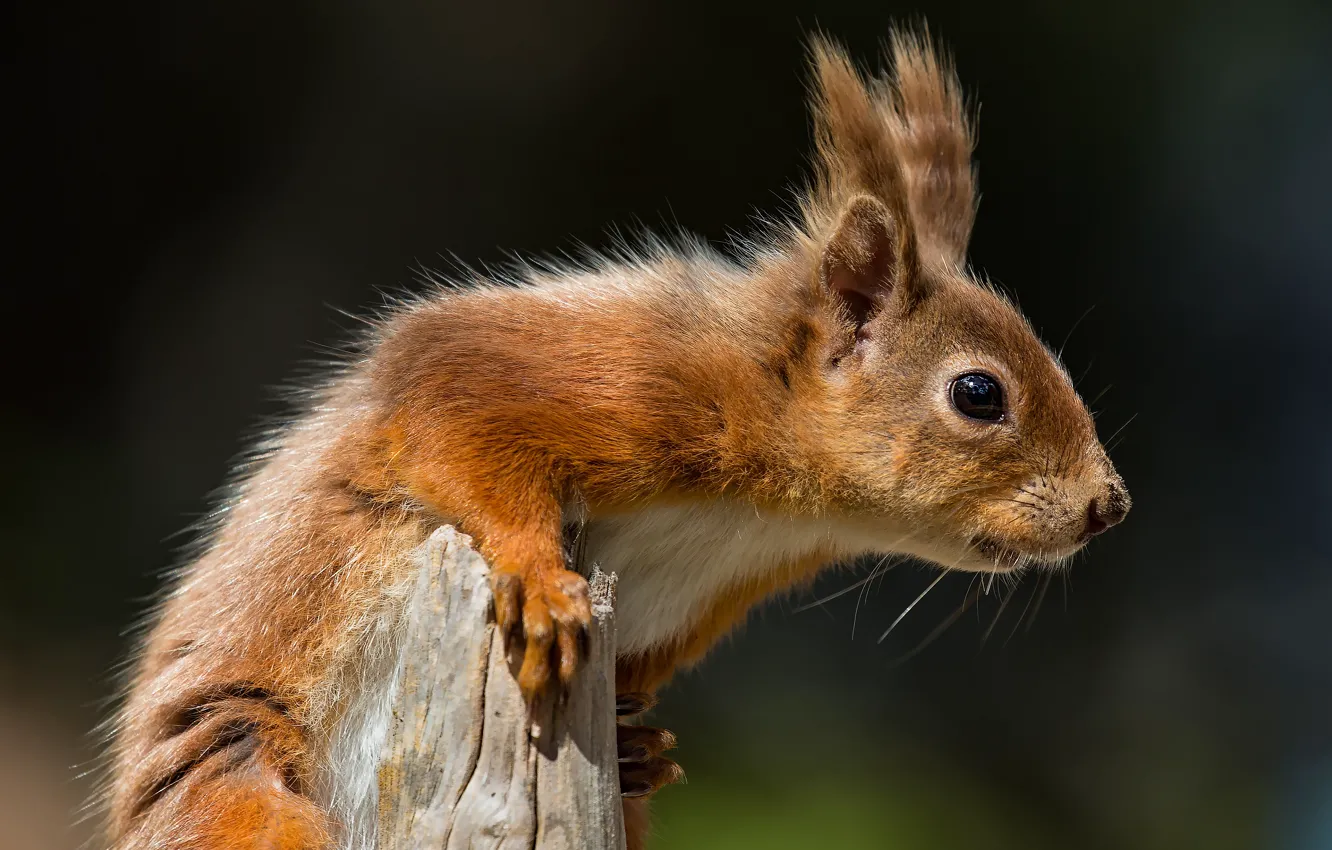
(465, 764)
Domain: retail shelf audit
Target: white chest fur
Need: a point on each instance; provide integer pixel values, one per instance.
(673, 560)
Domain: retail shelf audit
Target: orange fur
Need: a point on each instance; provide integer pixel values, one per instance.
(791, 410)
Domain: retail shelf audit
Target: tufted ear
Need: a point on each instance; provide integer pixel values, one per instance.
(902, 137)
(869, 256)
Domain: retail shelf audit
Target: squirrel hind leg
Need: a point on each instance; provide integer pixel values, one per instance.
(643, 770)
(639, 781)
(233, 811)
(225, 773)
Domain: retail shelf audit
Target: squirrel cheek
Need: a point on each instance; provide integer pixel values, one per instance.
(1007, 520)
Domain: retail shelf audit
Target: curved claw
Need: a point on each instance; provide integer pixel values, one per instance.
(630, 704)
(640, 779)
(551, 613)
(643, 770)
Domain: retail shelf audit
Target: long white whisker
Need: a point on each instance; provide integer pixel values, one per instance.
(1120, 430)
(1040, 599)
(968, 599)
(1000, 613)
(1023, 615)
(844, 591)
(907, 610)
(1069, 335)
(1100, 395)
(864, 590)
(855, 613)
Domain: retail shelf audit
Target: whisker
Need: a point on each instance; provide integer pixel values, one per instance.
(865, 585)
(1069, 335)
(1100, 395)
(1120, 430)
(907, 610)
(1040, 599)
(855, 613)
(964, 490)
(874, 573)
(1085, 370)
(968, 599)
(870, 587)
(998, 614)
(1023, 615)
(972, 583)
(1116, 444)
(1016, 502)
(865, 589)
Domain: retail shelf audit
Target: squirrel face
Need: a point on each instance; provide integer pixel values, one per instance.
(953, 425)
(994, 460)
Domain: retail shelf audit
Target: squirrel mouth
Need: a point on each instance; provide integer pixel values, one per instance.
(1004, 557)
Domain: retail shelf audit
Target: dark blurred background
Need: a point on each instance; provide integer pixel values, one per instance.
(200, 187)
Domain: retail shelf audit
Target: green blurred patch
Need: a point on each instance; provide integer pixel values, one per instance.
(722, 813)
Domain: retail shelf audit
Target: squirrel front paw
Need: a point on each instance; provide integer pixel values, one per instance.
(551, 612)
(643, 770)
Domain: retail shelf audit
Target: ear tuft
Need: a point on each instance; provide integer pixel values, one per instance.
(855, 150)
(933, 138)
(902, 136)
(862, 261)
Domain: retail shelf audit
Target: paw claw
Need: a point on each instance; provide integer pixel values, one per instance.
(555, 615)
(635, 789)
(639, 779)
(629, 704)
(571, 651)
(643, 770)
(507, 590)
(651, 739)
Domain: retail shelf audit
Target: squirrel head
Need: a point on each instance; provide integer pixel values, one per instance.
(946, 415)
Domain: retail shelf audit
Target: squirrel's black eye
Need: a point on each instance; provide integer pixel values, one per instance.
(978, 396)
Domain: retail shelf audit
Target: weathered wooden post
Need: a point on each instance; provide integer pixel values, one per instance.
(465, 764)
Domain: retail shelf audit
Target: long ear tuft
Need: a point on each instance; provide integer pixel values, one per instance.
(901, 137)
(934, 142)
(855, 146)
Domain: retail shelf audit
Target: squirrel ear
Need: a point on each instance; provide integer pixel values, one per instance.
(867, 258)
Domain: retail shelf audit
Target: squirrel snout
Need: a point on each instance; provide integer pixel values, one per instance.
(1104, 512)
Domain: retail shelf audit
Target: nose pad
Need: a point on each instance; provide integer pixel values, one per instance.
(1101, 515)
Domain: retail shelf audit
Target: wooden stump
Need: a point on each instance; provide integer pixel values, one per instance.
(465, 764)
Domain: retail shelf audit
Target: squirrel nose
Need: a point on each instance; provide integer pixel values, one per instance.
(1102, 514)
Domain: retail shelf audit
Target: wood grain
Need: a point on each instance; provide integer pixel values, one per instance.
(465, 763)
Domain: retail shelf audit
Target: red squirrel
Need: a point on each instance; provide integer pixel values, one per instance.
(723, 428)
